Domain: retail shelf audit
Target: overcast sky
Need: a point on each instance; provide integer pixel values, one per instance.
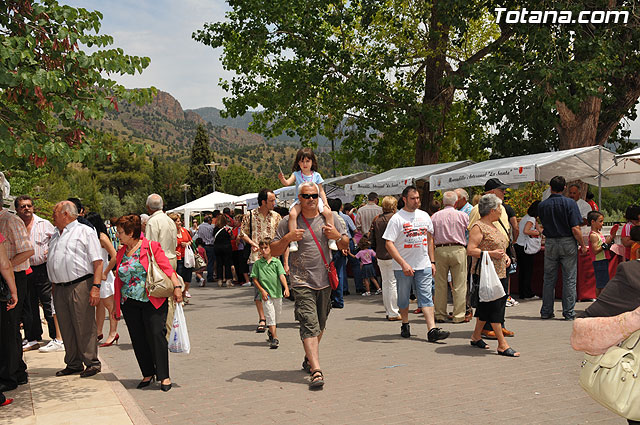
(161, 30)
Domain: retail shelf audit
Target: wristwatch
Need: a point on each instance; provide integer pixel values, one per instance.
(97, 285)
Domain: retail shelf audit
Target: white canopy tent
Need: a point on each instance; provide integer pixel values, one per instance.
(594, 165)
(210, 202)
(392, 182)
(632, 154)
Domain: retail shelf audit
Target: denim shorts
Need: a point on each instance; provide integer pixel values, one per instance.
(422, 285)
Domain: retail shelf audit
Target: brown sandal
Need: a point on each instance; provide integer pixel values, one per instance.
(317, 379)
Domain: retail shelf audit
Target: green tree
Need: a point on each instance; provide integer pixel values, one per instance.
(379, 75)
(563, 85)
(50, 89)
(237, 180)
(199, 177)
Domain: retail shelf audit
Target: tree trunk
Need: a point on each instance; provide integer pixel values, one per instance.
(576, 130)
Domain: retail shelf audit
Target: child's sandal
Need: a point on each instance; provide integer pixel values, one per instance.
(262, 326)
(317, 379)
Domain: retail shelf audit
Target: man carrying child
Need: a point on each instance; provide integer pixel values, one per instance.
(268, 277)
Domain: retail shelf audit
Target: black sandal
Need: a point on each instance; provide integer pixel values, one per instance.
(479, 343)
(262, 326)
(305, 365)
(317, 379)
(509, 352)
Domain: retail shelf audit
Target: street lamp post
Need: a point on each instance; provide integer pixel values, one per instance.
(212, 169)
(185, 187)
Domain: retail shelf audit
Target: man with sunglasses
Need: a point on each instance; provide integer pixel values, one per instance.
(309, 278)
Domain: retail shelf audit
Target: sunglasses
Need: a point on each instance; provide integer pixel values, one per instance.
(309, 195)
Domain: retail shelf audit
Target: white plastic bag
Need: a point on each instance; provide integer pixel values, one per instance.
(532, 245)
(490, 287)
(179, 338)
(189, 258)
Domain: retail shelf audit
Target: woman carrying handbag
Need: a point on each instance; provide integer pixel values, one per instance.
(145, 315)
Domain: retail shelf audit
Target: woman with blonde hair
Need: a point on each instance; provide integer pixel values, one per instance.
(385, 262)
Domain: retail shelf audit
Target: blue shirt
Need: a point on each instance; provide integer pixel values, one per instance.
(350, 224)
(315, 177)
(558, 214)
(205, 231)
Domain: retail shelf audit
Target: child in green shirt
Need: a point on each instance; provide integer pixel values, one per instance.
(268, 275)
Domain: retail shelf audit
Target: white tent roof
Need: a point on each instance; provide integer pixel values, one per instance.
(574, 164)
(392, 182)
(632, 154)
(210, 202)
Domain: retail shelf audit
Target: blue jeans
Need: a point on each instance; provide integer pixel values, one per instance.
(560, 252)
(421, 283)
(211, 257)
(340, 262)
(355, 269)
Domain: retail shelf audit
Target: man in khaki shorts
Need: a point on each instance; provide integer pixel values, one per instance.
(309, 278)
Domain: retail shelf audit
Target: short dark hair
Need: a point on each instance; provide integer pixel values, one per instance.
(199, 242)
(408, 189)
(372, 196)
(22, 198)
(265, 241)
(207, 219)
(632, 212)
(593, 216)
(533, 209)
(215, 213)
(558, 183)
(263, 195)
(335, 204)
(634, 233)
(590, 195)
(131, 225)
(97, 221)
(226, 211)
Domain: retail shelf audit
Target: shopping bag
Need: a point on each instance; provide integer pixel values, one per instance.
(179, 338)
(490, 286)
(189, 258)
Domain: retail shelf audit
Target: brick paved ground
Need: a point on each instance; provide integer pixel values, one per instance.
(372, 375)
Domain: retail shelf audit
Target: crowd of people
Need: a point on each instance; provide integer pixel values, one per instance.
(78, 267)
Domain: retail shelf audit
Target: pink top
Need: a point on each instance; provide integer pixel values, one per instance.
(602, 255)
(449, 226)
(366, 256)
(1, 238)
(161, 259)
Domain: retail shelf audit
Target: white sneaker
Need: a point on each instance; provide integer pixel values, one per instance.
(333, 245)
(366, 294)
(246, 284)
(52, 346)
(24, 342)
(187, 294)
(379, 291)
(293, 246)
(511, 302)
(31, 345)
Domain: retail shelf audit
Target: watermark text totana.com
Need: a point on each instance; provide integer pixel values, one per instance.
(525, 16)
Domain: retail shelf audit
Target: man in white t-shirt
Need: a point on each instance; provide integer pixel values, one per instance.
(409, 240)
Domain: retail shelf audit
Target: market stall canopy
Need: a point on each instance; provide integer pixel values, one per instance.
(210, 202)
(632, 154)
(392, 182)
(574, 164)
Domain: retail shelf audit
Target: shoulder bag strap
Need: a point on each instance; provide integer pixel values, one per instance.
(505, 229)
(316, 240)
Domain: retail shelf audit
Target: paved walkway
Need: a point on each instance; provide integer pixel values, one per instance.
(372, 375)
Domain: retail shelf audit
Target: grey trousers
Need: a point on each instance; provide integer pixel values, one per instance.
(77, 320)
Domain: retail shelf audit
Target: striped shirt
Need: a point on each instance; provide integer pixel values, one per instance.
(365, 217)
(15, 232)
(72, 252)
(41, 232)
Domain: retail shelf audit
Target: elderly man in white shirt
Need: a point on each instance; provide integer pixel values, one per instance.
(75, 268)
(161, 228)
(583, 206)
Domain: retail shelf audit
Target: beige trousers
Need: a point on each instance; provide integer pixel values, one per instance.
(453, 259)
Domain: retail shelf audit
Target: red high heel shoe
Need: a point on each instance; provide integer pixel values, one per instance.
(109, 344)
